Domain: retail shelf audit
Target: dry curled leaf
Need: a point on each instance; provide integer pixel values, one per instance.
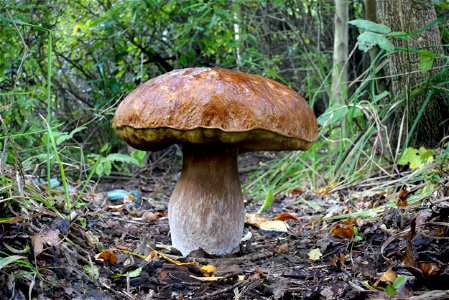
(339, 261)
(107, 256)
(282, 248)
(265, 224)
(296, 191)
(388, 277)
(403, 195)
(343, 231)
(286, 216)
(38, 244)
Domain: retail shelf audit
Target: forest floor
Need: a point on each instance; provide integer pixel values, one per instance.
(297, 249)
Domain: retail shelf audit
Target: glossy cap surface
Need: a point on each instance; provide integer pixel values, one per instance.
(214, 105)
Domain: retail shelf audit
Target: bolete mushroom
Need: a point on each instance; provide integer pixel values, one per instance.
(214, 114)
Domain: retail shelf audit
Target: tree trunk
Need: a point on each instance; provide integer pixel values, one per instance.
(340, 56)
(408, 16)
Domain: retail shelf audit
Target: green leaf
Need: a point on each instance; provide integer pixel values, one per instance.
(370, 26)
(99, 169)
(135, 273)
(107, 167)
(337, 112)
(426, 59)
(410, 157)
(399, 281)
(122, 158)
(267, 203)
(390, 290)
(4, 261)
(311, 204)
(426, 155)
(140, 156)
(416, 158)
(368, 40)
(92, 271)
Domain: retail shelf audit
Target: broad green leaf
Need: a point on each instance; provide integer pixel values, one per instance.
(370, 26)
(99, 169)
(140, 156)
(337, 112)
(426, 59)
(368, 40)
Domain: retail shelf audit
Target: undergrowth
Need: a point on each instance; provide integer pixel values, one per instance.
(338, 161)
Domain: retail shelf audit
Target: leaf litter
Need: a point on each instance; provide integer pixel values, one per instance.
(352, 242)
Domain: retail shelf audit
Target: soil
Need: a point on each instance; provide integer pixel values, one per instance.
(122, 250)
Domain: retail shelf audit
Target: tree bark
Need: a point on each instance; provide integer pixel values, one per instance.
(340, 56)
(406, 77)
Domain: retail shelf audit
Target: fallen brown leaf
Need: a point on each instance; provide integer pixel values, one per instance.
(403, 196)
(296, 191)
(282, 248)
(38, 244)
(286, 216)
(343, 231)
(388, 277)
(107, 256)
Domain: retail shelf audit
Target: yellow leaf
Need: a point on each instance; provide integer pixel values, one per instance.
(75, 29)
(280, 226)
(208, 270)
(265, 224)
(315, 254)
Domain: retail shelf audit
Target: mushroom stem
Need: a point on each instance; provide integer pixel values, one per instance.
(206, 208)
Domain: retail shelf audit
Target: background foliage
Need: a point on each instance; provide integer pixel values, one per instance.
(102, 49)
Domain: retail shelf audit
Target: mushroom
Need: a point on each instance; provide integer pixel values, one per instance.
(215, 114)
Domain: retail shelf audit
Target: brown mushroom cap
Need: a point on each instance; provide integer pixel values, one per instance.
(214, 105)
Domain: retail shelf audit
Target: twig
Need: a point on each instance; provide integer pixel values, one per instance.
(219, 292)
